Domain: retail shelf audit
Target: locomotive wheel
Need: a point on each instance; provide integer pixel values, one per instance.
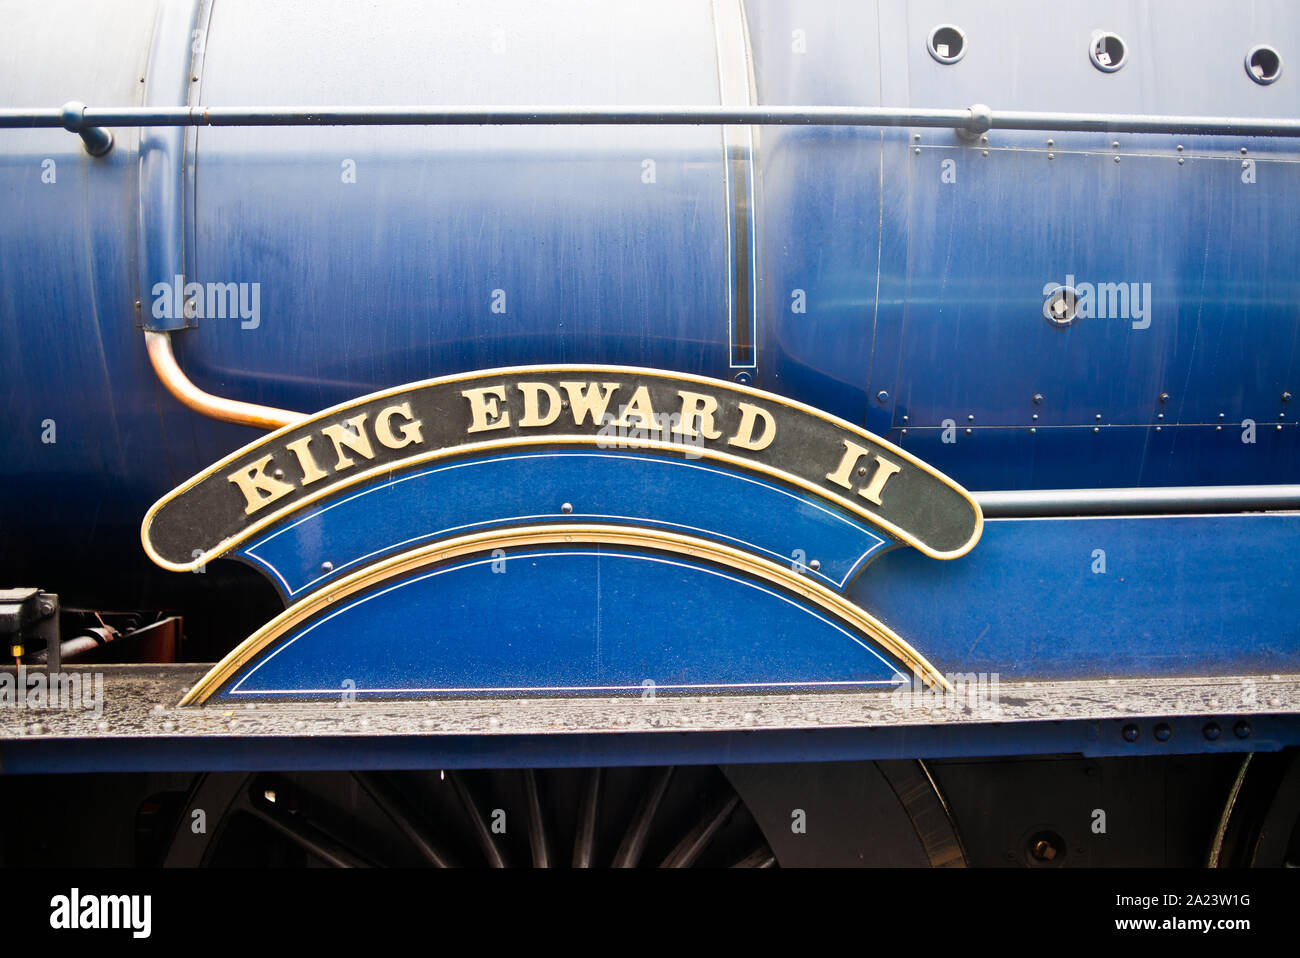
(1260, 826)
(842, 814)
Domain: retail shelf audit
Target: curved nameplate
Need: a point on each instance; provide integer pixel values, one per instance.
(564, 609)
(510, 410)
(401, 511)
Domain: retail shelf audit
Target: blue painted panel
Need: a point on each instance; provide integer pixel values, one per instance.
(565, 621)
(393, 278)
(1190, 595)
(1119, 456)
(463, 497)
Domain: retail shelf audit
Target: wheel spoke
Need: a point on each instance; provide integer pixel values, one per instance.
(584, 843)
(633, 845)
(760, 857)
(481, 830)
(698, 838)
(391, 805)
(536, 824)
(307, 836)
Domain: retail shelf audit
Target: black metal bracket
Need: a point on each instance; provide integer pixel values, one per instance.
(27, 614)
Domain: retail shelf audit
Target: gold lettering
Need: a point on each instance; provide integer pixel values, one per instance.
(884, 470)
(852, 453)
(749, 417)
(410, 430)
(483, 408)
(699, 406)
(581, 404)
(306, 461)
(641, 408)
(259, 488)
(532, 416)
(353, 438)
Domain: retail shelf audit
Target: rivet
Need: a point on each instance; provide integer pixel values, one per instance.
(1033, 429)
(1164, 397)
(904, 431)
(969, 431)
(917, 151)
(1096, 429)
(1180, 148)
(815, 564)
(970, 417)
(1160, 415)
(1130, 733)
(882, 396)
(1098, 417)
(1245, 164)
(1180, 161)
(1286, 397)
(1242, 729)
(1243, 151)
(916, 136)
(1035, 417)
(279, 473)
(1163, 732)
(1038, 399)
(1159, 428)
(905, 419)
(566, 508)
(862, 470)
(1212, 731)
(1117, 159)
(1051, 143)
(327, 567)
(984, 139)
(986, 152)
(1114, 144)
(1218, 429)
(1051, 156)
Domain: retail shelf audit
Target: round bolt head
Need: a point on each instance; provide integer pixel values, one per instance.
(1212, 732)
(1242, 729)
(1130, 733)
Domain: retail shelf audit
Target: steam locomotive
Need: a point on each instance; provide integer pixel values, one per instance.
(708, 432)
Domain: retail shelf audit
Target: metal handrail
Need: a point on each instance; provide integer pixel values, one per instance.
(90, 122)
(1155, 500)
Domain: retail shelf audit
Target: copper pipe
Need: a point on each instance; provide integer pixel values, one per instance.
(214, 407)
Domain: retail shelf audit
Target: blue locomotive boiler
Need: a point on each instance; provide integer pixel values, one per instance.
(708, 396)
